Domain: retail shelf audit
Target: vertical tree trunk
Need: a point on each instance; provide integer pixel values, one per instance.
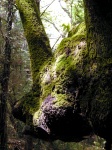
(98, 17)
(5, 79)
(39, 47)
(37, 39)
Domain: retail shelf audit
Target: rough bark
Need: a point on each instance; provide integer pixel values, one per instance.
(98, 16)
(35, 34)
(39, 48)
(5, 79)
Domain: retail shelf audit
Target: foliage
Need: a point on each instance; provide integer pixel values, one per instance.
(78, 12)
(75, 11)
(66, 28)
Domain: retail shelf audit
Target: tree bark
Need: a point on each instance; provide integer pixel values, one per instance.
(39, 48)
(37, 39)
(5, 79)
(98, 17)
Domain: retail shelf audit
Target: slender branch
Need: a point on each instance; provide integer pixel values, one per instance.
(54, 26)
(65, 10)
(47, 8)
(71, 4)
(56, 42)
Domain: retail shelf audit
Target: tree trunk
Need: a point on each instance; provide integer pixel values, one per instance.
(39, 48)
(5, 79)
(37, 39)
(98, 17)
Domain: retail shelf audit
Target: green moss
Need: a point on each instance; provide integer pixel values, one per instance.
(63, 70)
(78, 30)
(62, 101)
(35, 34)
(50, 76)
(40, 51)
(73, 69)
(36, 117)
(70, 43)
(30, 101)
(74, 73)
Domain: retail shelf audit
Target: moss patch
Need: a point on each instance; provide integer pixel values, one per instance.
(60, 77)
(35, 34)
(39, 47)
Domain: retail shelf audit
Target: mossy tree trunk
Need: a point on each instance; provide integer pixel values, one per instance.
(98, 17)
(37, 39)
(39, 47)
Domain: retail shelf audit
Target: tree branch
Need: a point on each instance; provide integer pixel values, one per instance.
(65, 10)
(47, 8)
(56, 42)
(54, 26)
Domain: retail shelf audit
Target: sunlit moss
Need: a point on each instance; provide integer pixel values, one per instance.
(39, 48)
(35, 34)
(63, 70)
